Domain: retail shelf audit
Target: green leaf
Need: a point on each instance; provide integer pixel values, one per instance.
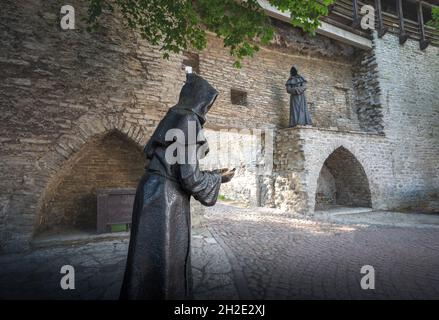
(434, 22)
(176, 25)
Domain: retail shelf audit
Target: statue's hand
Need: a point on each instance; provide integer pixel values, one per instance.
(226, 176)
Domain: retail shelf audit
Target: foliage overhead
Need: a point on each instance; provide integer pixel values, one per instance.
(434, 22)
(177, 25)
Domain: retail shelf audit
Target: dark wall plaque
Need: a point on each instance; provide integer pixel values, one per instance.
(114, 206)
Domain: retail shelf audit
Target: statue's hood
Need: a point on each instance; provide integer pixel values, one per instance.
(197, 95)
(294, 70)
(196, 98)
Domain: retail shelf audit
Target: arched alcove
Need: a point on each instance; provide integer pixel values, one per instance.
(109, 160)
(342, 181)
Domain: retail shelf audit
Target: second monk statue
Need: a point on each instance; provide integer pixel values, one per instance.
(296, 87)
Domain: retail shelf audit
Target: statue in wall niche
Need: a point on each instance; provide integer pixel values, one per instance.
(159, 258)
(296, 87)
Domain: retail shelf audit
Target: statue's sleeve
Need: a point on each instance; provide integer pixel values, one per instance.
(289, 86)
(290, 89)
(202, 185)
(300, 89)
(296, 89)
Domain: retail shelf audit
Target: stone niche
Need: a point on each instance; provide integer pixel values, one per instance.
(109, 161)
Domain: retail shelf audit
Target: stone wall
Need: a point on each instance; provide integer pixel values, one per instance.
(302, 152)
(397, 97)
(289, 190)
(409, 81)
(239, 149)
(367, 92)
(59, 89)
(264, 77)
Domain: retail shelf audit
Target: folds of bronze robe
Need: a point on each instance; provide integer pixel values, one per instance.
(299, 114)
(158, 264)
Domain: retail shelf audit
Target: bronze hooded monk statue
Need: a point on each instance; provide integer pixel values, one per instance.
(296, 87)
(158, 264)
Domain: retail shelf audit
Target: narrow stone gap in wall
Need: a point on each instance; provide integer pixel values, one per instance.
(191, 59)
(238, 97)
(367, 93)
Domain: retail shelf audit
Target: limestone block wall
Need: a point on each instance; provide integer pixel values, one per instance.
(409, 81)
(397, 97)
(264, 77)
(367, 90)
(240, 149)
(59, 89)
(303, 152)
(288, 180)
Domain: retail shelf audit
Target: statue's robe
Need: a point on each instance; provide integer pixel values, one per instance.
(299, 114)
(158, 264)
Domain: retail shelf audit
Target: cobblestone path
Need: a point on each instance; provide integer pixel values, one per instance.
(251, 253)
(283, 257)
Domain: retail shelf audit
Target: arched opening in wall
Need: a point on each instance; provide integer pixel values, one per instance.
(111, 161)
(342, 182)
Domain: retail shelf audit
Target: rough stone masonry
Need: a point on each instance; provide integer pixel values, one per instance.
(64, 92)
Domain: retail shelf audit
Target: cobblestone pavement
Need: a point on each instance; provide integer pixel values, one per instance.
(99, 268)
(282, 257)
(250, 253)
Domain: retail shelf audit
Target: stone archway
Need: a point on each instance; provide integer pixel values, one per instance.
(342, 181)
(105, 161)
(93, 139)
